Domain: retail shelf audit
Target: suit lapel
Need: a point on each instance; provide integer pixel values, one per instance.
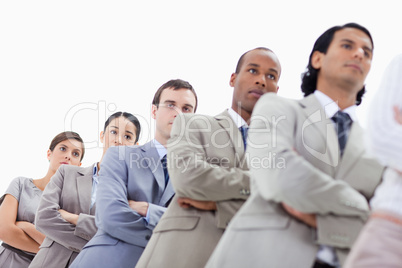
(84, 188)
(150, 153)
(315, 116)
(226, 122)
(167, 194)
(353, 150)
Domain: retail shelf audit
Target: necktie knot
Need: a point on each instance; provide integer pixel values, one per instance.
(244, 131)
(343, 123)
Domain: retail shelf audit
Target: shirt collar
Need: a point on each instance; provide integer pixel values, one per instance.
(239, 121)
(331, 107)
(160, 148)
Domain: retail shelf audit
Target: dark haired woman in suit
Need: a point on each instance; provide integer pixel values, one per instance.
(67, 207)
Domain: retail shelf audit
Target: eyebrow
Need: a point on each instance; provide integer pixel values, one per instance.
(173, 102)
(353, 42)
(257, 65)
(62, 144)
(126, 130)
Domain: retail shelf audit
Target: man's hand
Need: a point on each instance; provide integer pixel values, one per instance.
(202, 205)
(70, 217)
(140, 207)
(309, 219)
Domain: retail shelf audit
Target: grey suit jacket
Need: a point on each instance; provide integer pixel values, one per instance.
(69, 189)
(127, 173)
(206, 162)
(306, 172)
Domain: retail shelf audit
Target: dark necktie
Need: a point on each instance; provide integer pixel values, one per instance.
(343, 123)
(165, 171)
(244, 130)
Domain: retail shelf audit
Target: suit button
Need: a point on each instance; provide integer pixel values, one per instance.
(147, 237)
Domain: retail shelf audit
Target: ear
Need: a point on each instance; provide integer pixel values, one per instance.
(277, 89)
(316, 59)
(49, 153)
(232, 79)
(153, 111)
(101, 136)
(80, 164)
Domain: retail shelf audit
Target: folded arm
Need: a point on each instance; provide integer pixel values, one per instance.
(194, 172)
(10, 231)
(49, 219)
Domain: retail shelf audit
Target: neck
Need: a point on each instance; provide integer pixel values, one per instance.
(244, 114)
(41, 183)
(161, 140)
(344, 96)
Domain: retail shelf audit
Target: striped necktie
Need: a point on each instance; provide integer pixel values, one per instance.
(165, 170)
(244, 131)
(343, 122)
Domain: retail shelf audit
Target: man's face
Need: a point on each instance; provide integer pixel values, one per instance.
(171, 103)
(258, 75)
(347, 61)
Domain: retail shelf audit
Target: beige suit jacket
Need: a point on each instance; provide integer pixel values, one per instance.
(310, 177)
(69, 189)
(205, 162)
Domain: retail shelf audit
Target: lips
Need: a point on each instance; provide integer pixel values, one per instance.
(256, 92)
(63, 163)
(355, 66)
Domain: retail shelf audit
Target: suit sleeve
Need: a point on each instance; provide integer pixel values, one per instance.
(113, 213)
(86, 227)
(48, 219)
(297, 183)
(193, 172)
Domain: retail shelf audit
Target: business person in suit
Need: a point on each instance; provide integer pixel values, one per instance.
(206, 161)
(18, 205)
(135, 173)
(67, 207)
(379, 243)
(308, 210)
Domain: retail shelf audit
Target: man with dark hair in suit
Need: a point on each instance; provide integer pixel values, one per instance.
(309, 212)
(135, 173)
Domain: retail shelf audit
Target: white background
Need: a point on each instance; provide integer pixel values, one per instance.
(67, 65)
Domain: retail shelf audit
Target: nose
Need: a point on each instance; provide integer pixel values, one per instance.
(359, 53)
(118, 140)
(67, 157)
(261, 81)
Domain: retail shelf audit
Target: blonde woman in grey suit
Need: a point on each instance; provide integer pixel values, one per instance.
(67, 207)
(19, 203)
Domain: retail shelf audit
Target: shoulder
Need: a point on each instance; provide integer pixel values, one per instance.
(20, 182)
(71, 169)
(271, 103)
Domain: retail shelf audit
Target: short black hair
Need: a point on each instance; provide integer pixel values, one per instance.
(309, 77)
(241, 59)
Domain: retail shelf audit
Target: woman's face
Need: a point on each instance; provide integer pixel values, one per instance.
(67, 152)
(120, 131)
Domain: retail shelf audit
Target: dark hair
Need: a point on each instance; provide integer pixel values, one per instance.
(66, 135)
(309, 77)
(175, 84)
(129, 117)
(241, 59)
